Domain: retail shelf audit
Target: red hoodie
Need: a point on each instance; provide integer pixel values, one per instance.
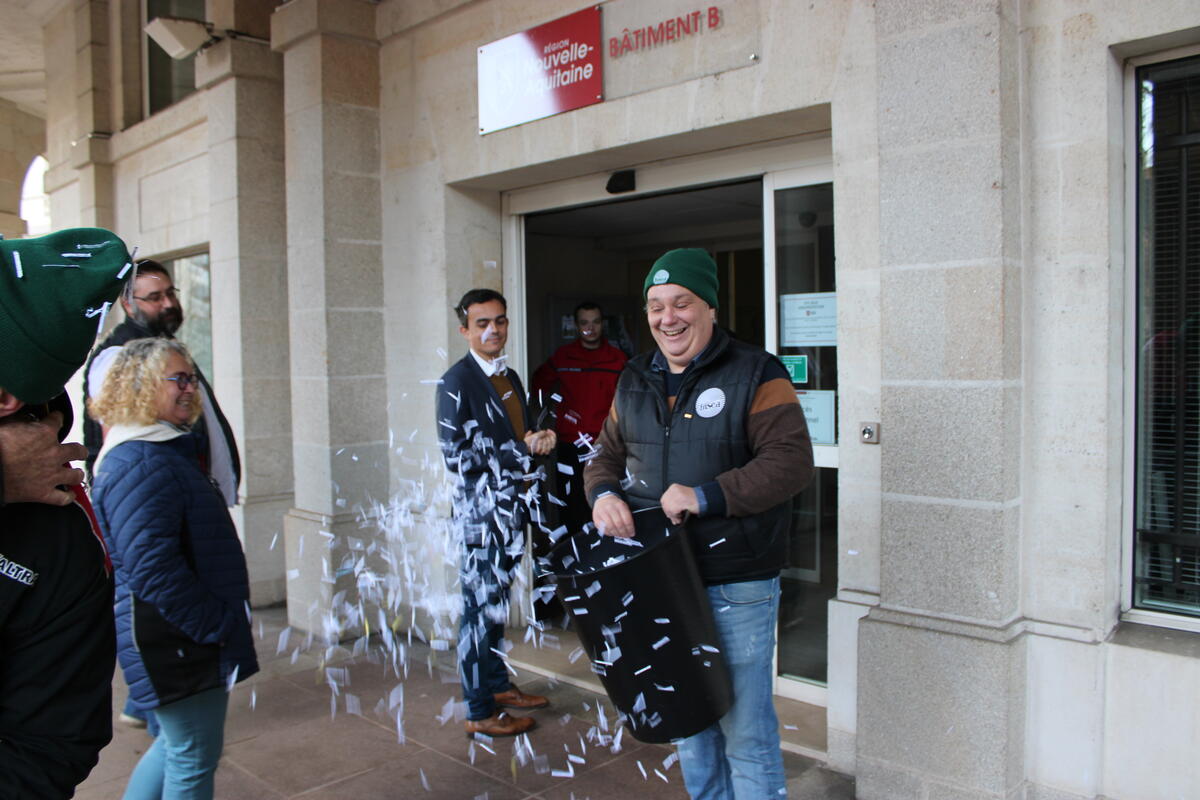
(586, 380)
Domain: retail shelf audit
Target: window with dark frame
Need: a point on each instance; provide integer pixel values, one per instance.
(1167, 455)
(168, 80)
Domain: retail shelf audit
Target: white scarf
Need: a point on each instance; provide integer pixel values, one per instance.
(118, 434)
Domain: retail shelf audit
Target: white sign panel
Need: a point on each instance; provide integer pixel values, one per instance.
(819, 408)
(808, 320)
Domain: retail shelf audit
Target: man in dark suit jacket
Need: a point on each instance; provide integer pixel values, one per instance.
(484, 428)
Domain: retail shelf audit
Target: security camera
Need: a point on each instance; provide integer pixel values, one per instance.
(180, 38)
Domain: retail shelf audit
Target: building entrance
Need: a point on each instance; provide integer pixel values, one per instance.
(773, 245)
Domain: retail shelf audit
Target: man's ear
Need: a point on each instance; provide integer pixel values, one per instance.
(463, 332)
(8, 402)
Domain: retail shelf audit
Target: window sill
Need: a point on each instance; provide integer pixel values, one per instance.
(1180, 638)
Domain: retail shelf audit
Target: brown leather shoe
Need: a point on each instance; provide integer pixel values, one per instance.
(499, 724)
(515, 698)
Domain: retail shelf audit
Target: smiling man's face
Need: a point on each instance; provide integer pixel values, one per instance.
(681, 323)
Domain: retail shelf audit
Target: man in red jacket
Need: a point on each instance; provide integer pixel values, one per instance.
(578, 383)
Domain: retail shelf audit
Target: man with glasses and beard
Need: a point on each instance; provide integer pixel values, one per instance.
(152, 308)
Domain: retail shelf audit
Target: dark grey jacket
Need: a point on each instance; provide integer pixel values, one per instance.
(483, 452)
(702, 437)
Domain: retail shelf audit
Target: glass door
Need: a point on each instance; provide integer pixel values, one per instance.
(801, 301)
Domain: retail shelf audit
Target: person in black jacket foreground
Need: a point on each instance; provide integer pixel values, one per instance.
(57, 645)
(486, 439)
(709, 427)
(183, 613)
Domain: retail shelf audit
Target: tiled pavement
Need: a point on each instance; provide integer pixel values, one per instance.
(282, 741)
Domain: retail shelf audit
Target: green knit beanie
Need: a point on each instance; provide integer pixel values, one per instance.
(689, 267)
(54, 293)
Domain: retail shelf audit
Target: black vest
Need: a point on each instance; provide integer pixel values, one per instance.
(702, 437)
(93, 434)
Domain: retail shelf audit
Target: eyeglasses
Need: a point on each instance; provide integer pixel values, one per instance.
(154, 298)
(183, 380)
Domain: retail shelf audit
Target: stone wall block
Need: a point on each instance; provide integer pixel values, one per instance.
(293, 22)
(842, 711)
(356, 130)
(311, 465)
(895, 19)
(304, 135)
(936, 708)
(916, 227)
(315, 546)
(859, 520)
(265, 552)
(960, 330)
(357, 410)
(267, 466)
(247, 60)
(303, 84)
(355, 280)
(951, 441)
(359, 473)
(351, 208)
(353, 337)
(952, 560)
(950, 74)
(268, 355)
(309, 343)
(1153, 685)
(1066, 715)
(354, 81)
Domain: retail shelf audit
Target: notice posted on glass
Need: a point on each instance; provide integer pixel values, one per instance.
(808, 320)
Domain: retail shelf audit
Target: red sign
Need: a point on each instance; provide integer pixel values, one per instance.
(541, 72)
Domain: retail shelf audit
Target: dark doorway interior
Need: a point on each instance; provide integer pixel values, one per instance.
(602, 253)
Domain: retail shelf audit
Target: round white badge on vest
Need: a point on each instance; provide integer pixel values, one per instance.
(710, 402)
(660, 277)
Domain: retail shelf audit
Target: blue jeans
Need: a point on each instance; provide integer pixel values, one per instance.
(181, 763)
(145, 716)
(485, 574)
(739, 756)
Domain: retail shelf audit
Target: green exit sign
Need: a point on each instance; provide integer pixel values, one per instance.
(797, 367)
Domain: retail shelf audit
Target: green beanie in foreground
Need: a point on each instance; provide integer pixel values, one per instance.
(689, 267)
(54, 293)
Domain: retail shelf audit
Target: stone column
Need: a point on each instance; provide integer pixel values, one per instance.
(941, 660)
(335, 289)
(93, 114)
(243, 84)
(22, 139)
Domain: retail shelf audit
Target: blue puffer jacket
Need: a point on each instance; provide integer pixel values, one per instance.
(183, 616)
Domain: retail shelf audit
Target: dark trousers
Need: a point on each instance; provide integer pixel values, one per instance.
(486, 575)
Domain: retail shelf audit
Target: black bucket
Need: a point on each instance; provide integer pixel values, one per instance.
(644, 619)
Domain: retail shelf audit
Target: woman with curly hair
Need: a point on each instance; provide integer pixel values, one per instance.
(182, 600)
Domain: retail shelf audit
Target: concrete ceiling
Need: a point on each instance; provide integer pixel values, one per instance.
(22, 64)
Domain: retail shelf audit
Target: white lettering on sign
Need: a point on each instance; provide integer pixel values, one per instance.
(20, 574)
(669, 30)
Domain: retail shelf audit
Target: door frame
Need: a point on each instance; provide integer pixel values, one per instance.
(823, 455)
(796, 161)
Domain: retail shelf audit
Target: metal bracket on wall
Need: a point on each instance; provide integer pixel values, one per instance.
(868, 432)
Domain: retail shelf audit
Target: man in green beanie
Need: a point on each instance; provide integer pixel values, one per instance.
(709, 428)
(57, 641)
